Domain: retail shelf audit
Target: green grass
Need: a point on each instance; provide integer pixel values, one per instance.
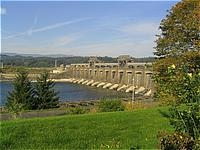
(121, 130)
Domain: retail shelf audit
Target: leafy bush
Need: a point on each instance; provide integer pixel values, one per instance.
(15, 109)
(182, 86)
(76, 110)
(177, 141)
(186, 119)
(111, 105)
(180, 83)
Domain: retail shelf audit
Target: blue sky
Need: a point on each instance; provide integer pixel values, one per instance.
(82, 28)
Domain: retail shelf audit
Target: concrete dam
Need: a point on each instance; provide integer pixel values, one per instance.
(124, 76)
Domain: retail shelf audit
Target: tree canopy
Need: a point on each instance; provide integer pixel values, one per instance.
(178, 45)
(180, 30)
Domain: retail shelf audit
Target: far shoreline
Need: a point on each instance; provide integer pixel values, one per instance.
(55, 80)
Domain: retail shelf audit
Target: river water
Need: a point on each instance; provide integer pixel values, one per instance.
(70, 92)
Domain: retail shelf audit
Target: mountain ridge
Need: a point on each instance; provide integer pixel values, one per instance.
(36, 55)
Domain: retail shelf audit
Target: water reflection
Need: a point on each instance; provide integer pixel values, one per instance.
(71, 92)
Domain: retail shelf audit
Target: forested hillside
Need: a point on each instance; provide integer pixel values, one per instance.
(30, 61)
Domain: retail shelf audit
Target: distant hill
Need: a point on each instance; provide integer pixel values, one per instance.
(37, 55)
(44, 61)
(29, 60)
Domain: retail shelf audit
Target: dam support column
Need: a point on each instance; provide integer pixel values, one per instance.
(144, 77)
(129, 77)
(113, 76)
(110, 75)
(116, 72)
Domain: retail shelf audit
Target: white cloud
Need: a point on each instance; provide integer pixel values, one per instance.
(57, 25)
(140, 29)
(46, 28)
(3, 11)
(65, 40)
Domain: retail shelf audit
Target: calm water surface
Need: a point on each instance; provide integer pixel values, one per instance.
(70, 92)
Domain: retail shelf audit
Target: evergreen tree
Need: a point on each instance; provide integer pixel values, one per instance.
(22, 95)
(46, 96)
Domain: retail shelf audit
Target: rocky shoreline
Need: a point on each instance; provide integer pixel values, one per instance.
(64, 106)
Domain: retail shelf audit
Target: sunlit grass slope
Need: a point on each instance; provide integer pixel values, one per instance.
(121, 130)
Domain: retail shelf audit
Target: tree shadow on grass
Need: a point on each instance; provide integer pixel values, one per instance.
(165, 114)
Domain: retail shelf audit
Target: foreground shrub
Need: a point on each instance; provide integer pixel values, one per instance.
(15, 109)
(76, 110)
(177, 141)
(186, 119)
(111, 105)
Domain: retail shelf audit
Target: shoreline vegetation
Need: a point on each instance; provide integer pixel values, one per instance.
(33, 80)
(88, 105)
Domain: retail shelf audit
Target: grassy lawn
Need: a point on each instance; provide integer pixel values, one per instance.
(113, 130)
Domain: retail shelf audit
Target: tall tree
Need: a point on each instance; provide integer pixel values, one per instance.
(46, 96)
(22, 94)
(178, 45)
(177, 72)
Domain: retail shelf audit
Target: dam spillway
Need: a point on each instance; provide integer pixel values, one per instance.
(122, 76)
